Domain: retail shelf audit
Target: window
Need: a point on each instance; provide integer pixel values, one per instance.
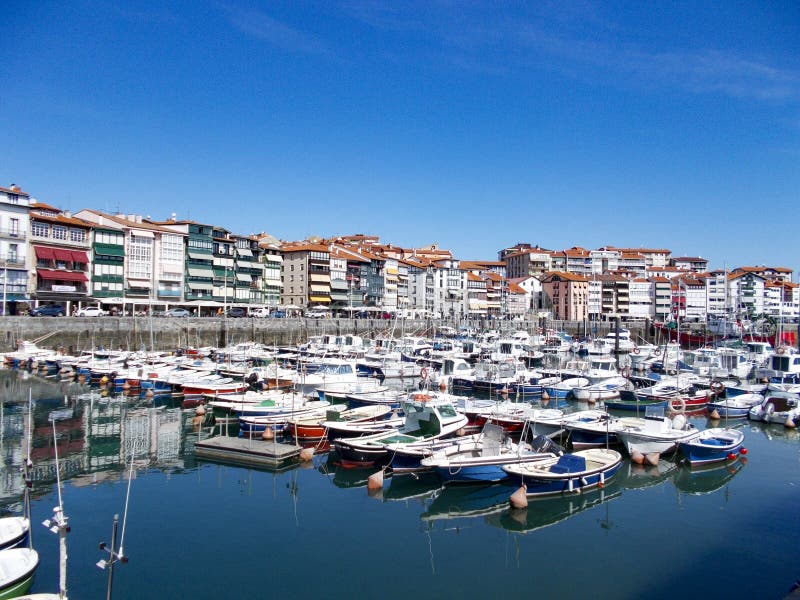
(40, 229)
(12, 252)
(77, 235)
(13, 227)
(171, 247)
(140, 257)
(59, 232)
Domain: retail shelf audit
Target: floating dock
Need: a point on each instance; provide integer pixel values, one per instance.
(247, 452)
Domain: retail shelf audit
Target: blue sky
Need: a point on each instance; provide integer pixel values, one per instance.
(473, 125)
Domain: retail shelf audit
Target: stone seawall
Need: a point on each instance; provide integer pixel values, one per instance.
(169, 333)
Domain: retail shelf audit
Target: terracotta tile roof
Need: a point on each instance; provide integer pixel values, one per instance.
(565, 276)
(15, 190)
(303, 247)
(639, 250)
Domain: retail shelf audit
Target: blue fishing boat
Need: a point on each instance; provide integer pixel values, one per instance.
(713, 445)
(482, 460)
(574, 472)
(737, 407)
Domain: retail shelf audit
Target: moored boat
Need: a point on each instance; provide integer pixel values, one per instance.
(426, 419)
(712, 445)
(574, 472)
(17, 567)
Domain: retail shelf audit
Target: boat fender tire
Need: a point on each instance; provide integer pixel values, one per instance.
(423, 374)
(681, 405)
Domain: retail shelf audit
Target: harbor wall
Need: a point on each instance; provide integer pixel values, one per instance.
(75, 334)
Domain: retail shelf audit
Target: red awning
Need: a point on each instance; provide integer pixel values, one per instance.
(44, 253)
(80, 257)
(61, 275)
(64, 255)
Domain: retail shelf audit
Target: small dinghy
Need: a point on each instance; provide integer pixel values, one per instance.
(574, 472)
(713, 445)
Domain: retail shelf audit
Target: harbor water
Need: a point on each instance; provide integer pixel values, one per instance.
(204, 530)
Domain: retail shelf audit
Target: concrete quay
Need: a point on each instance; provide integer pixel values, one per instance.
(75, 334)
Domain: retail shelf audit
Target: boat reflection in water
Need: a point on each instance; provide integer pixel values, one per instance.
(645, 476)
(546, 511)
(412, 487)
(707, 479)
(467, 501)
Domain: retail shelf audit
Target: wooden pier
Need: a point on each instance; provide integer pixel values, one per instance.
(246, 451)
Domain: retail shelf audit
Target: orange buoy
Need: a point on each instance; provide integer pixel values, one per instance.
(200, 410)
(268, 434)
(375, 481)
(790, 423)
(637, 457)
(519, 499)
(652, 458)
(714, 415)
(306, 454)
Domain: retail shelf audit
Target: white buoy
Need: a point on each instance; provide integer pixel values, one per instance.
(519, 499)
(652, 458)
(545, 395)
(149, 393)
(306, 454)
(637, 457)
(200, 410)
(375, 481)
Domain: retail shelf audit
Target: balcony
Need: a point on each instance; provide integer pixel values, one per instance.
(12, 260)
(169, 293)
(15, 234)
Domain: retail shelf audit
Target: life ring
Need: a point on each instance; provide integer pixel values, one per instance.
(717, 387)
(423, 374)
(625, 372)
(636, 351)
(780, 350)
(681, 406)
(421, 397)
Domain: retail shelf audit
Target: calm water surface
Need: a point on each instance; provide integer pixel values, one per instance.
(204, 530)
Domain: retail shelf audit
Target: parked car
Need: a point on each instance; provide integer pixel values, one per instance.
(315, 313)
(278, 314)
(48, 310)
(237, 311)
(177, 312)
(260, 313)
(91, 311)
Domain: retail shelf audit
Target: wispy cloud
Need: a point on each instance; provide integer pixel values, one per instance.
(260, 25)
(578, 41)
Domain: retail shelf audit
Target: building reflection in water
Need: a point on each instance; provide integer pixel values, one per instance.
(96, 436)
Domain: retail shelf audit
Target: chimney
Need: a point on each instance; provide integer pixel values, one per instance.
(14, 187)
